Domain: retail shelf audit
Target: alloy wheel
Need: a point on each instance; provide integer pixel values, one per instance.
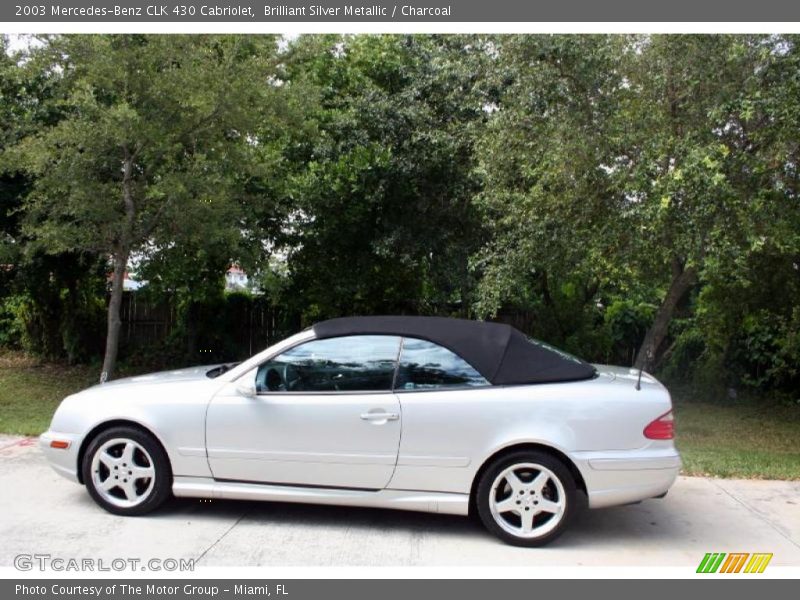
(123, 472)
(527, 500)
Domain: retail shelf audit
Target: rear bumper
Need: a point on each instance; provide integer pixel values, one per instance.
(622, 477)
(63, 460)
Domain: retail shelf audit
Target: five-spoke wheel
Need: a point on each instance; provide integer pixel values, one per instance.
(126, 471)
(123, 472)
(526, 498)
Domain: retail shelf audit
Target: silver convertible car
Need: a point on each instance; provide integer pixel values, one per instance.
(412, 413)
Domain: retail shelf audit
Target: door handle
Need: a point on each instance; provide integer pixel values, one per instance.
(380, 416)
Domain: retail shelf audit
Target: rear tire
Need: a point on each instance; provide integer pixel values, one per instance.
(126, 471)
(526, 498)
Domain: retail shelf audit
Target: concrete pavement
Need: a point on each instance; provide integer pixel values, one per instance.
(40, 512)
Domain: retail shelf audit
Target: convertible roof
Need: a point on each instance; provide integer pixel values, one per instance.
(502, 354)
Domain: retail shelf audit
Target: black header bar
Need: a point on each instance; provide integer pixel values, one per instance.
(416, 11)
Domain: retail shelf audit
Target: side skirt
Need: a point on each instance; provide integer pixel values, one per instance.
(434, 502)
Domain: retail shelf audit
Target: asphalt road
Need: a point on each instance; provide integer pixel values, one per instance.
(40, 512)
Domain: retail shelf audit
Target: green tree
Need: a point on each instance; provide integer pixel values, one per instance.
(639, 166)
(547, 201)
(148, 150)
(381, 217)
(49, 300)
(705, 167)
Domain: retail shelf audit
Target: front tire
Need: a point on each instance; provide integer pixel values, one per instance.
(526, 498)
(126, 471)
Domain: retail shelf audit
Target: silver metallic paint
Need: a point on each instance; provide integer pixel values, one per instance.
(278, 443)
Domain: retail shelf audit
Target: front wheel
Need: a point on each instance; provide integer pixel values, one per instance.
(526, 498)
(126, 471)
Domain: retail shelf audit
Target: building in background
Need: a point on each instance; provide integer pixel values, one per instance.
(236, 279)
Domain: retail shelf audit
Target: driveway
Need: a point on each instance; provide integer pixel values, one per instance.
(43, 513)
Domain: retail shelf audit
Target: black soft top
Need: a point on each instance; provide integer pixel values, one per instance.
(502, 354)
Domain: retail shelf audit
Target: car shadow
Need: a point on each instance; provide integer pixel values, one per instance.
(623, 524)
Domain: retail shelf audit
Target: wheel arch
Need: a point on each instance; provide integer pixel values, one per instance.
(580, 483)
(105, 425)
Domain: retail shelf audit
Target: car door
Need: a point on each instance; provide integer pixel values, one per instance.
(323, 414)
(445, 417)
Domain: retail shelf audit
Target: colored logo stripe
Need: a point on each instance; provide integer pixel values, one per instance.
(734, 562)
(758, 563)
(711, 562)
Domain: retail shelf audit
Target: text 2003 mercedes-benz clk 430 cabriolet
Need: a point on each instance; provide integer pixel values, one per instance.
(414, 413)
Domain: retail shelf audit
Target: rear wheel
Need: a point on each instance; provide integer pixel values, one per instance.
(126, 471)
(526, 498)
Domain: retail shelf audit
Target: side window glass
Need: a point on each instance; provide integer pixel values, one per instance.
(344, 364)
(425, 365)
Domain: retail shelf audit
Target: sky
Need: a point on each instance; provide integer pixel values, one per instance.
(19, 41)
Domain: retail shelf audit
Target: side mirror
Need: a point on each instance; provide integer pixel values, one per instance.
(247, 387)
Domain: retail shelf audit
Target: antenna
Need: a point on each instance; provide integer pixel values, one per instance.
(649, 356)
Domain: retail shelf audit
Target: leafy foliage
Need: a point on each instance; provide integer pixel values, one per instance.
(381, 217)
(631, 198)
(653, 168)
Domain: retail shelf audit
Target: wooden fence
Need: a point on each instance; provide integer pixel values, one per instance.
(241, 326)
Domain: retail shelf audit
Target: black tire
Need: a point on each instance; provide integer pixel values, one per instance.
(161, 489)
(558, 469)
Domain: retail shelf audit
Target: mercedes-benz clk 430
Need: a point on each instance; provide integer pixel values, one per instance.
(413, 413)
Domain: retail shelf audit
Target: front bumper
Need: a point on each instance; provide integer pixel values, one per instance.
(63, 460)
(615, 478)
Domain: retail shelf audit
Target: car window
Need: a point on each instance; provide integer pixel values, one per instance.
(344, 364)
(425, 365)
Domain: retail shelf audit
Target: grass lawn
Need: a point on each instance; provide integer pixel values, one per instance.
(739, 440)
(30, 391)
(743, 439)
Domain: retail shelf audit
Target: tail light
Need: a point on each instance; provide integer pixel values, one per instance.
(663, 428)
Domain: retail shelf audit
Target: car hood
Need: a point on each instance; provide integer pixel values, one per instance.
(127, 398)
(176, 375)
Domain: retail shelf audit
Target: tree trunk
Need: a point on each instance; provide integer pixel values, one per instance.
(114, 321)
(121, 255)
(682, 281)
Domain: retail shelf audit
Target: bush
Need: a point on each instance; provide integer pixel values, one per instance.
(626, 322)
(686, 355)
(83, 326)
(12, 327)
(767, 351)
(67, 327)
(38, 321)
